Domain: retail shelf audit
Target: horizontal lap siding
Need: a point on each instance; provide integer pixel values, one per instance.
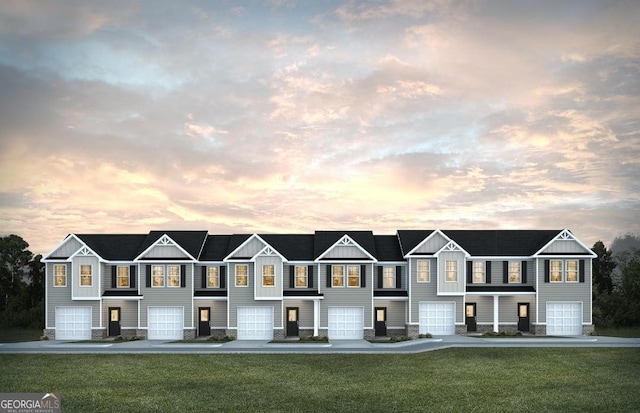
(286, 276)
(61, 297)
(497, 272)
(218, 315)
(508, 310)
(422, 291)
(167, 296)
(305, 312)
(240, 296)
(128, 312)
(346, 296)
(396, 312)
(565, 292)
(484, 307)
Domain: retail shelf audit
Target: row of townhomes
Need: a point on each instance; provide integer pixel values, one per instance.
(168, 285)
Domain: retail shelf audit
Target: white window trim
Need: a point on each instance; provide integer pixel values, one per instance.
(64, 275)
(118, 276)
(295, 276)
(334, 277)
(347, 276)
(264, 266)
(169, 276)
(246, 275)
(385, 276)
(519, 272)
(566, 272)
(446, 270)
(216, 276)
(483, 266)
(428, 270)
(163, 276)
(551, 271)
(90, 275)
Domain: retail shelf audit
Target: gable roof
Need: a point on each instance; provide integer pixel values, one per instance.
(326, 239)
(113, 247)
(215, 248)
(411, 238)
(388, 248)
(294, 247)
(190, 241)
(484, 243)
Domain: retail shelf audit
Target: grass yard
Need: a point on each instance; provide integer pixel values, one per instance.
(18, 335)
(618, 331)
(454, 380)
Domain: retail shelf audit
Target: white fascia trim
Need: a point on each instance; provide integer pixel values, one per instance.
(452, 294)
(46, 257)
(502, 294)
(126, 298)
(175, 244)
(565, 257)
(392, 263)
(164, 261)
(335, 244)
(302, 298)
(228, 257)
(437, 231)
(565, 232)
(346, 261)
(450, 245)
(211, 298)
(501, 258)
(87, 247)
(391, 298)
(85, 299)
(267, 299)
(268, 247)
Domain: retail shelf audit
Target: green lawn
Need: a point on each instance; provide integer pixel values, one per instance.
(618, 331)
(18, 335)
(454, 380)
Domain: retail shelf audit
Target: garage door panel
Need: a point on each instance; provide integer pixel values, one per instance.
(346, 323)
(564, 319)
(166, 323)
(255, 323)
(437, 318)
(73, 323)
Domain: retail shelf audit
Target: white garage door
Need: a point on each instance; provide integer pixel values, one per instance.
(346, 323)
(73, 323)
(437, 318)
(166, 323)
(255, 323)
(564, 319)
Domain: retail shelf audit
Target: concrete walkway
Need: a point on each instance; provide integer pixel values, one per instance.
(334, 346)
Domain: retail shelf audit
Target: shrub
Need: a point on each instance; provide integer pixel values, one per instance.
(428, 335)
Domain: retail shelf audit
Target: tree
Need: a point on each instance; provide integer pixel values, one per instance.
(14, 265)
(629, 288)
(35, 289)
(603, 267)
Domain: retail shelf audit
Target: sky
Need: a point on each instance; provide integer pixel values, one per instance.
(294, 116)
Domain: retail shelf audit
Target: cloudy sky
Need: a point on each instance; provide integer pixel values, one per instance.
(292, 116)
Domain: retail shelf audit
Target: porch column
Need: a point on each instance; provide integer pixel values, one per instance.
(316, 316)
(496, 312)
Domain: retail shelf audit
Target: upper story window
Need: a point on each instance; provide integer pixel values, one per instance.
(572, 271)
(388, 277)
(479, 275)
(213, 277)
(423, 271)
(337, 276)
(354, 275)
(59, 275)
(242, 275)
(301, 276)
(123, 277)
(157, 276)
(514, 272)
(451, 271)
(86, 275)
(173, 276)
(268, 275)
(555, 274)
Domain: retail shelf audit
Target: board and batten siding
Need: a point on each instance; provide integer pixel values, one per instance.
(128, 312)
(164, 251)
(244, 296)
(564, 246)
(78, 291)
(396, 312)
(167, 296)
(427, 292)
(250, 249)
(564, 291)
(345, 252)
(61, 297)
(217, 315)
(275, 291)
(432, 244)
(346, 296)
(453, 287)
(67, 249)
(305, 312)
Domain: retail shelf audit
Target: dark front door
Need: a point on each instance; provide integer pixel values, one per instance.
(470, 317)
(204, 328)
(114, 321)
(381, 321)
(523, 316)
(292, 322)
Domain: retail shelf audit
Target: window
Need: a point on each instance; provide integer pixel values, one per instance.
(556, 271)
(354, 276)
(268, 275)
(123, 277)
(301, 277)
(242, 275)
(157, 276)
(173, 276)
(423, 271)
(85, 276)
(389, 277)
(213, 277)
(59, 275)
(337, 276)
(514, 272)
(478, 272)
(451, 271)
(572, 271)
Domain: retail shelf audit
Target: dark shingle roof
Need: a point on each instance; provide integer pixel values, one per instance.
(501, 242)
(215, 248)
(235, 241)
(388, 248)
(116, 247)
(325, 239)
(190, 241)
(411, 238)
(294, 247)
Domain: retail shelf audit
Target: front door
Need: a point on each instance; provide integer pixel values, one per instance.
(470, 317)
(292, 322)
(381, 321)
(523, 316)
(114, 321)
(204, 328)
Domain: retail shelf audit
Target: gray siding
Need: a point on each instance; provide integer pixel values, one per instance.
(218, 312)
(128, 312)
(286, 281)
(250, 249)
(67, 249)
(274, 292)
(305, 312)
(451, 287)
(164, 251)
(197, 279)
(433, 244)
(403, 276)
(61, 297)
(564, 246)
(564, 292)
(346, 296)
(422, 291)
(340, 252)
(396, 312)
(507, 308)
(240, 296)
(85, 292)
(484, 308)
(167, 296)
(497, 271)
